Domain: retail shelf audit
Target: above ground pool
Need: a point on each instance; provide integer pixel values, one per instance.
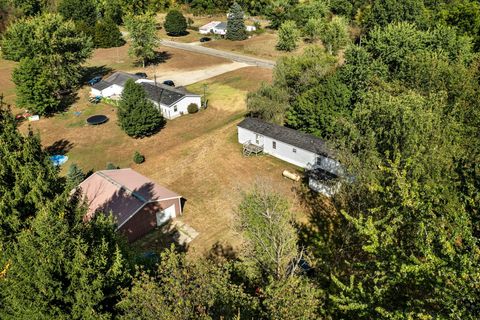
(58, 159)
(97, 119)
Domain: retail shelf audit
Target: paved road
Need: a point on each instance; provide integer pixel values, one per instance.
(219, 53)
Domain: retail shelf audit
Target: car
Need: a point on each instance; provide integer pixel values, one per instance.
(141, 74)
(205, 39)
(94, 80)
(169, 83)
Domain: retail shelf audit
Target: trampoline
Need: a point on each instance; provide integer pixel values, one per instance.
(58, 159)
(97, 119)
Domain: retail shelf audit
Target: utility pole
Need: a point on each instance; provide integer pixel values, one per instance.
(205, 87)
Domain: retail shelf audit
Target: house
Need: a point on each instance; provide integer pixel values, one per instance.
(137, 203)
(112, 87)
(301, 149)
(214, 27)
(172, 102)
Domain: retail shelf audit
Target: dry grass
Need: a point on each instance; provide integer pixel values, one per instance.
(196, 155)
(7, 87)
(262, 46)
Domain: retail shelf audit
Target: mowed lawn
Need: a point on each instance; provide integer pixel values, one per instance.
(197, 155)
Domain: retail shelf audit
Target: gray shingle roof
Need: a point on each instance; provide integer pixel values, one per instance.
(221, 25)
(101, 85)
(120, 78)
(165, 94)
(292, 137)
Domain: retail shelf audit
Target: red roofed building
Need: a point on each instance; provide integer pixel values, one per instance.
(137, 203)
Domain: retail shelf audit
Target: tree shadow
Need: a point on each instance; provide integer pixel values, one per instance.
(160, 57)
(222, 252)
(94, 71)
(176, 35)
(61, 146)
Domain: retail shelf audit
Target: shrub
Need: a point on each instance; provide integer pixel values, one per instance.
(192, 108)
(175, 23)
(111, 166)
(138, 158)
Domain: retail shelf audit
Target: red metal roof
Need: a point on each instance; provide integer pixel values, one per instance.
(122, 192)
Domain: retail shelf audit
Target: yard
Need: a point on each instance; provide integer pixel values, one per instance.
(196, 155)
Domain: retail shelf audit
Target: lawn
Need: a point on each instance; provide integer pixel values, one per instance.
(196, 155)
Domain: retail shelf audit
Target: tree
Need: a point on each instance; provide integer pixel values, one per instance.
(53, 50)
(235, 25)
(29, 7)
(313, 29)
(279, 11)
(334, 35)
(186, 289)
(288, 35)
(383, 12)
(107, 34)
(175, 23)
(35, 88)
(137, 115)
(265, 220)
(84, 10)
(268, 103)
(64, 267)
(75, 176)
(143, 35)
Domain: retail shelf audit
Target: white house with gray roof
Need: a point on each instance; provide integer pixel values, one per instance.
(172, 102)
(214, 27)
(112, 87)
(301, 149)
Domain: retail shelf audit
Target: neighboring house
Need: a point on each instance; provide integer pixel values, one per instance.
(172, 102)
(137, 203)
(301, 149)
(214, 27)
(112, 87)
(250, 28)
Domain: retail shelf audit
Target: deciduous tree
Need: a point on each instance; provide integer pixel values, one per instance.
(143, 35)
(288, 36)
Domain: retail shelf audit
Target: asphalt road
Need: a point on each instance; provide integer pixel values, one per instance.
(219, 53)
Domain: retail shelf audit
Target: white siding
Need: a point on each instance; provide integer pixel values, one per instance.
(283, 151)
(112, 91)
(182, 107)
(95, 92)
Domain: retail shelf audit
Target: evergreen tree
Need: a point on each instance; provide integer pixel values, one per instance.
(235, 25)
(288, 36)
(75, 176)
(107, 34)
(175, 23)
(84, 10)
(143, 35)
(137, 115)
(64, 267)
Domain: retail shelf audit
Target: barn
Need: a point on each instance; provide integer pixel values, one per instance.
(137, 203)
(112, 87)
(295, 147)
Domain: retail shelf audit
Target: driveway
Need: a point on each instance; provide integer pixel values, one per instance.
(184, 78)
(219, 53)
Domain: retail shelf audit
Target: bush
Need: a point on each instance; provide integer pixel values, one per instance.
(111, 166)
(192, 108)
(138, 158)
(175, 23)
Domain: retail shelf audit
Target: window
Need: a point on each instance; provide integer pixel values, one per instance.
(175, 109)
(274, 144)
(294, 150)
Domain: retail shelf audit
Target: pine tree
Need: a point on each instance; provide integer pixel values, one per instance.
(107, 34)
(84, 10)
(235, 25)
(75, 176)
(175, 23)
(137, 115)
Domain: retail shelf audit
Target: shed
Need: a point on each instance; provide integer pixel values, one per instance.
(137, 203)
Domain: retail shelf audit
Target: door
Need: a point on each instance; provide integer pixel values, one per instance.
(258, 139)
(164, 215)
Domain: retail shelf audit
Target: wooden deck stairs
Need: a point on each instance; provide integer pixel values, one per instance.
(251, 149)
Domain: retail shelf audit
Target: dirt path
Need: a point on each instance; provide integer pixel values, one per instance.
(220, 53)
(184, 78)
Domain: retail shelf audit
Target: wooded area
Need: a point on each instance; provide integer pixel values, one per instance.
(393, 86)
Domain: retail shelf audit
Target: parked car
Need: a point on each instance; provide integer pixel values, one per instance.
(142, 74)
(169, 83)
(205, 39)
(94, 80)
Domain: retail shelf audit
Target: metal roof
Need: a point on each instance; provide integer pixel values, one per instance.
(292, 137)
(120, 78)
(164, 94)
(101, 85)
